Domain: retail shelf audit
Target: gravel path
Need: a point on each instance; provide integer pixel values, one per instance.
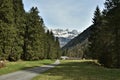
(29, 73)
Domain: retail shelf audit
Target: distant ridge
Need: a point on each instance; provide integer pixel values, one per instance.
(64, 35)
(79, 40)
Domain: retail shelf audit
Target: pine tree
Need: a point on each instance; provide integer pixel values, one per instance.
(113, 18)
(19, 20)
(93, 39)
(52, 54)
(34, 36)
(108, 38)
(58, 51)
(53, 47)
(110, 4)
(7, 29)
(22, 34)
(47, 47)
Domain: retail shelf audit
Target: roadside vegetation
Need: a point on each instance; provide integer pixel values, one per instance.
(23, 35)
(80, 70)
(101, 41)
(21, 65)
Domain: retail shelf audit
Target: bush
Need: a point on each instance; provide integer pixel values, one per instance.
(2, 64)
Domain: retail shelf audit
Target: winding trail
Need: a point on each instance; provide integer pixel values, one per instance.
(28, 74)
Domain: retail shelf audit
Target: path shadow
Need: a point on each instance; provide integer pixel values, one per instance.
(74, 71)
(39, 69)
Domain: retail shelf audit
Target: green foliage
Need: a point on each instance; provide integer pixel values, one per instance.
(113, 19)
(7, 29)
(75, 52)
(105, 41)
(22, 34)
(33, 36)
(93, 39)
(19, 26)
(53, 46)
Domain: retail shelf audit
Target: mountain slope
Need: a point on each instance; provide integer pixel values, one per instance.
(79, 39)
(78, 46)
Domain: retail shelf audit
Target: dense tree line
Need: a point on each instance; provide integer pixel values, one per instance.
(77, 51)
(104, 42)
(22, 34)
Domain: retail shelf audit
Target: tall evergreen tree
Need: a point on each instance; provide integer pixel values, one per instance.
(105, 43)
(52, 54)
(7, 29)
(19, 24)
(53, 47)
(22, 34)
(113, 18)
(57, 46)
(93, 39)
(34, 36)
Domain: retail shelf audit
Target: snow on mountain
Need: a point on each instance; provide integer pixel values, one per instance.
(64, 35)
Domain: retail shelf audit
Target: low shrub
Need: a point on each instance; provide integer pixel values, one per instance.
(2, 64)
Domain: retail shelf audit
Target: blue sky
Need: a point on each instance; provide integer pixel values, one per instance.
(66, 14)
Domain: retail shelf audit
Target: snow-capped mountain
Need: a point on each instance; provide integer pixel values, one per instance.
(64, 35)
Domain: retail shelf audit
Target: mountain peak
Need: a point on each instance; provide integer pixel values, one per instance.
(64, 35)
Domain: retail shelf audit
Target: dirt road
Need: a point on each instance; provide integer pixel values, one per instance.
(29, 73)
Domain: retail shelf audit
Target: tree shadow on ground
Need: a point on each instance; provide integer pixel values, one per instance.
(73, 71)
(82, 71)
(76, 71)
(39, 69)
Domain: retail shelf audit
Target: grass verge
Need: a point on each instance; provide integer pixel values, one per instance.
(21, 65)
(79, 70)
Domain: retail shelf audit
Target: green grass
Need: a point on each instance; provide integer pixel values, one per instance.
(20, 65)
(79, 70)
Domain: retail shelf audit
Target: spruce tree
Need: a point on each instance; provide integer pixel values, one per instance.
(53, 50)
(52, 54)
(34, 36)
(7, 29)
(19, 20)
(57, 46)
(47, 47)
(108, 38)
(113, 18)
(93, 39)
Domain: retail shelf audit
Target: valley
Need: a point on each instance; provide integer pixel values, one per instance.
(59, 40)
